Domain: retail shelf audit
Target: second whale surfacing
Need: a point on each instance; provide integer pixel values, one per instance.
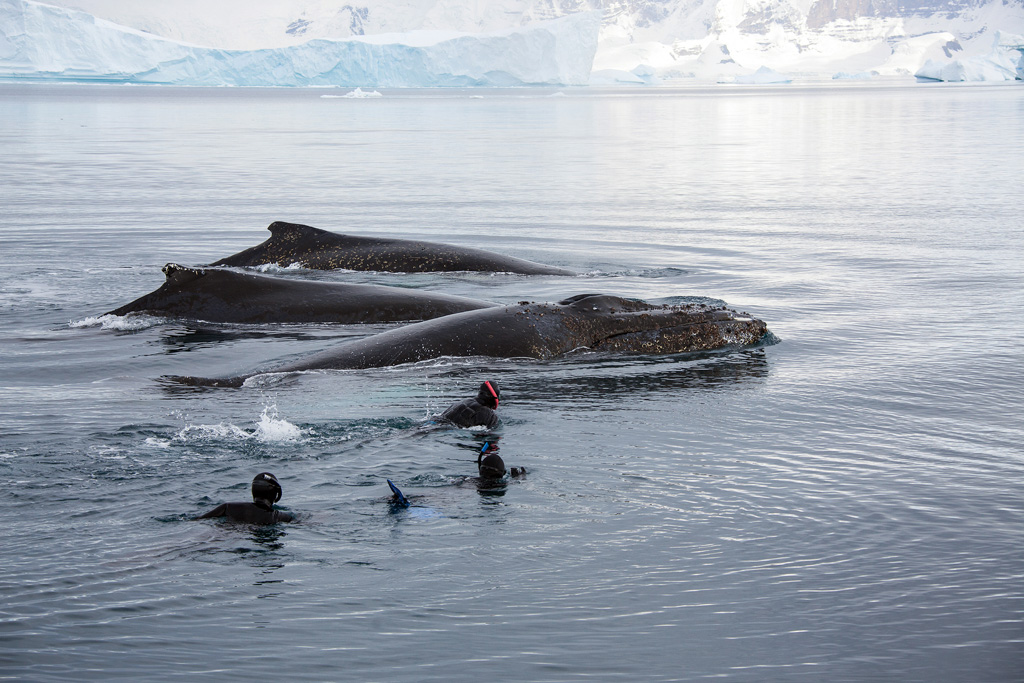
(225, 296)
(596, 322)
(318, 249)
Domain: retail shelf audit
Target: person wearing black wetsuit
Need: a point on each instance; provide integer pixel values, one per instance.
(266, 491)
(475, 412)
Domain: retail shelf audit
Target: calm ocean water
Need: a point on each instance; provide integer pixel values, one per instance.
(845, 505)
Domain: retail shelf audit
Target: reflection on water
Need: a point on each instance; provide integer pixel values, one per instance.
(268, 538)
(588, 380)
(706, 371)
(490, 488)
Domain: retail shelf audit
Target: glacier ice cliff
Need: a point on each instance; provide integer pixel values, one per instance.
(377, 43)
(1004, 63)
(43, 42)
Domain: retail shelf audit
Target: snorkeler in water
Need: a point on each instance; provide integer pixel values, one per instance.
(475, 412)
(266, 491)
(492, 467)
(492, 474)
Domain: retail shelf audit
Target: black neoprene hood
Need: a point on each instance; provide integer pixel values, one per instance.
(489, 394)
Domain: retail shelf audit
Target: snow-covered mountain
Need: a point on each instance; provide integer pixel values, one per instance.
(642, 41)
(715, 38)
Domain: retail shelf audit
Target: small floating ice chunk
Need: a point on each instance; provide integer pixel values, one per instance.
(358, 93)
(860, 76)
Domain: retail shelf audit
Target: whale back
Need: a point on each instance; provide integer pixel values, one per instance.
(502, 331)
(288, 243)
(222, 295)
(542, 331)
(323, 250)
(176, 293)
(179, 276)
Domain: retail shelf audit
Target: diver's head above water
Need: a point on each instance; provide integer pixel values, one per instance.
(266, 490)
(491, 466)
(488, 395)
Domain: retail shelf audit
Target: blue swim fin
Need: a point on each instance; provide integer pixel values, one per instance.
(400, 498)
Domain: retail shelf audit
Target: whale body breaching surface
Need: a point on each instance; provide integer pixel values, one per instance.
(318, 249)
(543, 331)
(221, 295)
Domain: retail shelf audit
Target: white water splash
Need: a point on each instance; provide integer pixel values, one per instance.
(205, 432)
(120, 323)
(274, 268)
(270, 428)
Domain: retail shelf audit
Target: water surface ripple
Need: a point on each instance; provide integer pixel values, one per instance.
(845, 505)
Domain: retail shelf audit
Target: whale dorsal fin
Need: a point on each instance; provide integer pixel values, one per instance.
(283, 229)
(179, 275)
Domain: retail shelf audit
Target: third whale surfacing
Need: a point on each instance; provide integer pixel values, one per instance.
(537, 330)
(318, 249)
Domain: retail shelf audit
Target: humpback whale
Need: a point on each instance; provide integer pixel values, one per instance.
(227, 296)
(318, 249)
(543, 331)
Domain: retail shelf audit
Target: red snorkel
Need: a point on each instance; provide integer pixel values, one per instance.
(493, 393)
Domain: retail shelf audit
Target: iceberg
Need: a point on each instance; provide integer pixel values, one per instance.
(42, 42)
(859, 76)
(1004, 63)
(763, 76)
(641, 75)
